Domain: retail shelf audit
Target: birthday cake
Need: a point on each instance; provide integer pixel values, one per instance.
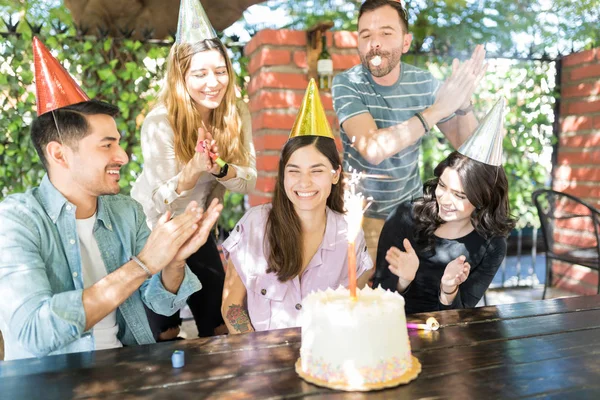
(355, 344)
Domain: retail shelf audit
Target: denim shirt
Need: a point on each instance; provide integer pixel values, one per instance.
(41, 287)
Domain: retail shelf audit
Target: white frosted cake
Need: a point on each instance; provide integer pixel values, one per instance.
(355, 344)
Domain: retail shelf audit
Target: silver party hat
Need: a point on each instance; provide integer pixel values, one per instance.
(485, 144)
(193, 25)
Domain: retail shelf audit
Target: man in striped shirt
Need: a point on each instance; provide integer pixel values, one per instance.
(385, 107)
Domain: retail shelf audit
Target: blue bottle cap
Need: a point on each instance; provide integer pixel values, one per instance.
(178, 359)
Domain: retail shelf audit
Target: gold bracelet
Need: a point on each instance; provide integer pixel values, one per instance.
(451, 293)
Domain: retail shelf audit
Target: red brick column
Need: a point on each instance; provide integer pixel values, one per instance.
(578, 169)
(278, 79)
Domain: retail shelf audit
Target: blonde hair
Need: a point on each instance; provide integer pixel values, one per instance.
(183, 116)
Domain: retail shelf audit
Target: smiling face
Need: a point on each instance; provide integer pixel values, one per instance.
(308, 177)
(381, 33)
(95, 162)
(452, 201)
(207, 78)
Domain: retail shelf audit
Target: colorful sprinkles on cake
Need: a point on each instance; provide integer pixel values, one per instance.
(349, 374)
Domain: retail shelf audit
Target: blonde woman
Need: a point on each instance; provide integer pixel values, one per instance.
(198, 103)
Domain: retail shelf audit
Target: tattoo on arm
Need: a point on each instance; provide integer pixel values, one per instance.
(238, 318)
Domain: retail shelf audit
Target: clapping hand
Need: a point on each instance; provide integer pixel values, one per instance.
(204, 226)
(207, 145)
(479, 68)
(456, 272)
(456, 92)
(168, 236)
(403, 264)
(201, 160)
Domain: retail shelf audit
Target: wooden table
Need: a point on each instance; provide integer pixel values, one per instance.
(549, 349)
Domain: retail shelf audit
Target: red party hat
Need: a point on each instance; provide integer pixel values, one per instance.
(54, 87)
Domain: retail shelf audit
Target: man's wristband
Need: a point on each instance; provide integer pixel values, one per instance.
(464, 111)
(223, 172)
(423, 122)
(142, 265)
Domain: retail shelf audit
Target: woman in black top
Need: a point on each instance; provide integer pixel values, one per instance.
(442, 251)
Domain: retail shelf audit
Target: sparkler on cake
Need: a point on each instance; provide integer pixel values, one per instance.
(355, 209)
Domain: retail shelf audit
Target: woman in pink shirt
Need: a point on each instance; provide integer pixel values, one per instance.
(278, 253)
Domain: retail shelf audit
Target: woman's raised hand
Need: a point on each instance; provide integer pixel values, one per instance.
(207, 145)
(456, 272)
(403, 264)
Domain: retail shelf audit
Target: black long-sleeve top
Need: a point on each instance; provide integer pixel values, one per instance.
(422, 295)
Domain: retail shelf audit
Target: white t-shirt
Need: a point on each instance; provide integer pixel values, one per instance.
(93, 269)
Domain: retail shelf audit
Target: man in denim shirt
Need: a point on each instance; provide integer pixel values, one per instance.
(63, 292)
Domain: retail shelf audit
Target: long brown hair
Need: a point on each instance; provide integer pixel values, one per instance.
(283, 229)
(485, 186)
(185, 119)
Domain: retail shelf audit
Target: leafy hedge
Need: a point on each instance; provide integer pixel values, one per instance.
(108, 70)
(122, 72)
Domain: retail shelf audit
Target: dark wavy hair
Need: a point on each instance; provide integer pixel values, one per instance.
(283, 229)
(485, 186)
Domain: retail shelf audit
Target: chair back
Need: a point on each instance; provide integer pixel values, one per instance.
(560, 215)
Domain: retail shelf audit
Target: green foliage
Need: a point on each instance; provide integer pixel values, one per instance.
(109, 70)
(19, 165)
(577, 24)
(307, 13)
(233, 210)
(122, 72)
(528, 87)
(518, 27)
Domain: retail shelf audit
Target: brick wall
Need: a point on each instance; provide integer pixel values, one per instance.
(578, 164)
(278, 79)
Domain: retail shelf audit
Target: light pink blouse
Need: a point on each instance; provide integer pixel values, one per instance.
(273, 304)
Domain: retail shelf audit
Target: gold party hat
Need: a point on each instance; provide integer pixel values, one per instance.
(193, 25)
(311, 119)
(485, 144)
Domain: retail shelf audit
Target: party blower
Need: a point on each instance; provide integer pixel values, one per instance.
(201, 147)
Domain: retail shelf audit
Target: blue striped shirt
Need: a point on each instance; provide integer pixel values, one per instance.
(396, 179)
